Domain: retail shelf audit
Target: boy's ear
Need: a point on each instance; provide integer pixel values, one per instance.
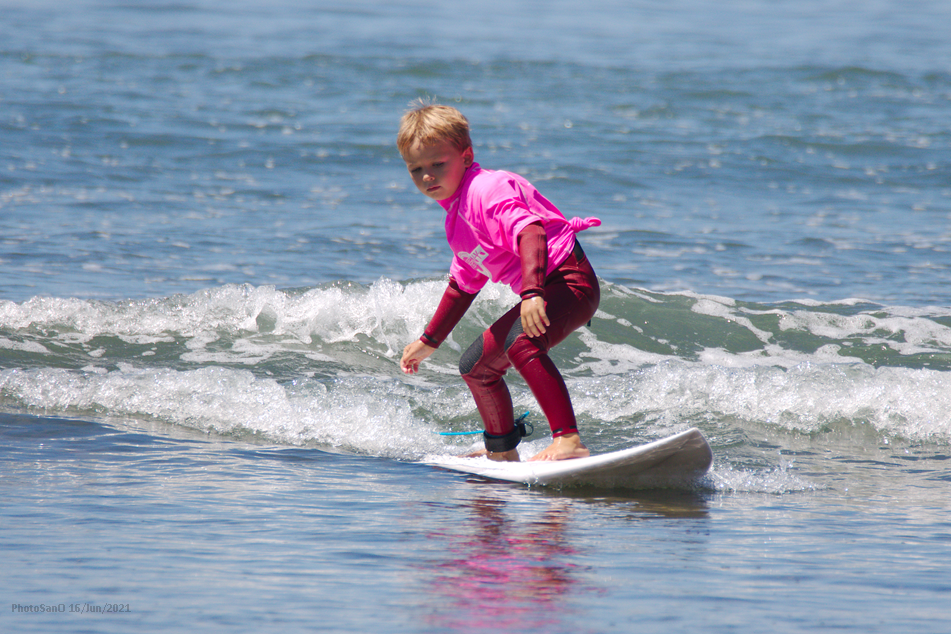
(468, 156)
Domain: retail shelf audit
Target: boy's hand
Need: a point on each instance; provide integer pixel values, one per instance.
(534, 319)
(413, 355)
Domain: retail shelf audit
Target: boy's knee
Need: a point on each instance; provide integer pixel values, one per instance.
(471, 356)
(524, 350)
(520, 348)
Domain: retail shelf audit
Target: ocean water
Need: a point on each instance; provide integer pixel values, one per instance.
(211, 257)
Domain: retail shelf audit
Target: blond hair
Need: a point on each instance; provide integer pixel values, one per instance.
(431, 123)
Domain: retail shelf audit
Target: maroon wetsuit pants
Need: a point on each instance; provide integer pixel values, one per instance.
(572, 295)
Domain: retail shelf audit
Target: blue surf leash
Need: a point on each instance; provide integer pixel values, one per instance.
(523, 425)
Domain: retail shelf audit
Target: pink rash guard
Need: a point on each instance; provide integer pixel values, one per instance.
(483, 219)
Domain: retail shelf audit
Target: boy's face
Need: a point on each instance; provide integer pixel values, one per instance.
(438, 169)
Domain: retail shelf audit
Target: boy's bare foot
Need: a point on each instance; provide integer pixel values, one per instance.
(563, 448)
(498, 456)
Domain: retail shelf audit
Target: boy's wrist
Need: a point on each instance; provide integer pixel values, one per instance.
(429, 341)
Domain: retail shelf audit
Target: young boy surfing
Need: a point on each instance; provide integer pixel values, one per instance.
(501, 228)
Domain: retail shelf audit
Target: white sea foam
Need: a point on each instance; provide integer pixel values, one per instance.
(725, 478)
(229, 360)
(23, 346)
(357, 415)
(807, 398)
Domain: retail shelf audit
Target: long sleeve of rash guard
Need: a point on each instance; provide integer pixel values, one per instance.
(533, 251)
(453, 305)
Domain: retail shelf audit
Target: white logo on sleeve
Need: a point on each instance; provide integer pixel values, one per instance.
(475, 259)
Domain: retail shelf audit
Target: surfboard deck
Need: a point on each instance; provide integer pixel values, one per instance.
(677, 461)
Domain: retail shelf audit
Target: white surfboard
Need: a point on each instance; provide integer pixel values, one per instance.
(674, 462)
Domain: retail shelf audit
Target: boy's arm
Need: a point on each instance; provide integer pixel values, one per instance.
(453, 305)
(533, 252)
